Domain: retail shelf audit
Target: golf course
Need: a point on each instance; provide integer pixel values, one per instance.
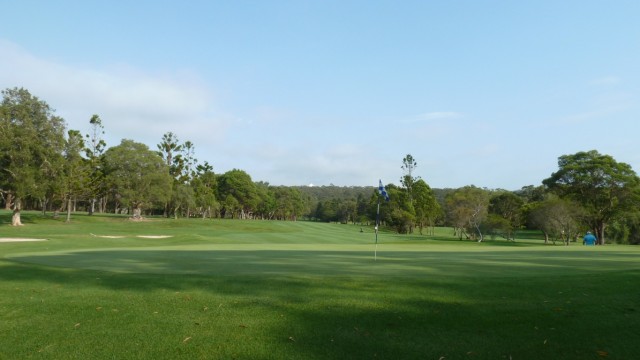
(106, 287)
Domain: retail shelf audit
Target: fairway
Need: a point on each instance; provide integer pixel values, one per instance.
(400, 260)
(104, 287)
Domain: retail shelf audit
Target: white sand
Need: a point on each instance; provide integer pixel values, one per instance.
(139, 236)
(19, 239)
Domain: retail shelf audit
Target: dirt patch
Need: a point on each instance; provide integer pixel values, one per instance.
(19, 239)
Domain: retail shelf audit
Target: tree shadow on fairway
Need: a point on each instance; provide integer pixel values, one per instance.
(338, 315)
(276, 304)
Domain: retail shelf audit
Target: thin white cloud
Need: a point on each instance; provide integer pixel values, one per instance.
(341, 164)
(132, 103)
(439, 115)
(605, 107)
(606, 80)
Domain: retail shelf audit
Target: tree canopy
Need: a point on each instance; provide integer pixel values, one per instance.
(31, 143)
(45, 166)
(137, 176)
(604, 187)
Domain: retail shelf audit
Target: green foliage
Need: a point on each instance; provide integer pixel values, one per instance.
(238, 193)
(557, 218)
(467, 208)
(409, 165)
(508, 207)
(603, 187)
(42, 169)
(137, 176)
(31, 145)
(427, 209)
(204, 186)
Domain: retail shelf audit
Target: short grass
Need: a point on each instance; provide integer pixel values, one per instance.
(229, 289)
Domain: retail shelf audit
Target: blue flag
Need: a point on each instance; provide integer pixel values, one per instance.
(382, 191)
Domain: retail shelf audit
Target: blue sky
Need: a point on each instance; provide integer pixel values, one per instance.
(484, 93)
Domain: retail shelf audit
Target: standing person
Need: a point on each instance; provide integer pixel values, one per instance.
(589, 239)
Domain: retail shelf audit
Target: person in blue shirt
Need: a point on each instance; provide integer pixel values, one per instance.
(589, 239)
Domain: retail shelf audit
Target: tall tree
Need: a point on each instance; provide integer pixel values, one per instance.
(31, 141)
(94, 149)
(189, 161)
(170, 150)
(604, 187)
(409, 164)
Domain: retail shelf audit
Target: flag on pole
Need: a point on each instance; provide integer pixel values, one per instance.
(382, 191)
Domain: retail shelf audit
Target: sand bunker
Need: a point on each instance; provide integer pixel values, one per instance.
(109, 236)
(138, 236)
(19, 239)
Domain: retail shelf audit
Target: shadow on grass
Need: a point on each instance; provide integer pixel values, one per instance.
(313, 311)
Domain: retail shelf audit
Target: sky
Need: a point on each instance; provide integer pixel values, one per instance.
(479, 92)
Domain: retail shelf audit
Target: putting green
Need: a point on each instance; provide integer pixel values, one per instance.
(343, 260)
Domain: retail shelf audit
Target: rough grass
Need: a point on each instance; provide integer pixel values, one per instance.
(281, 290)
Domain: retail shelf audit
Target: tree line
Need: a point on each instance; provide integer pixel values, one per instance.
(45, 166)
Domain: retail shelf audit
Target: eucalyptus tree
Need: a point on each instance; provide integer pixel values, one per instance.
(467, 208)
(557, 218)
(604, 187)
(138, 177)
(31, 144)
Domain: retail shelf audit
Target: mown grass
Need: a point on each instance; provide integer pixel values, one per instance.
(226, 289)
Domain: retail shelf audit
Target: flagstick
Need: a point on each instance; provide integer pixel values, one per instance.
(375, 253)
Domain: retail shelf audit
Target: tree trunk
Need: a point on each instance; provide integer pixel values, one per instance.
(69, 210)
(8, 201)
(137, 213)
(599, 232)
(480, 233)
(15, 219)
